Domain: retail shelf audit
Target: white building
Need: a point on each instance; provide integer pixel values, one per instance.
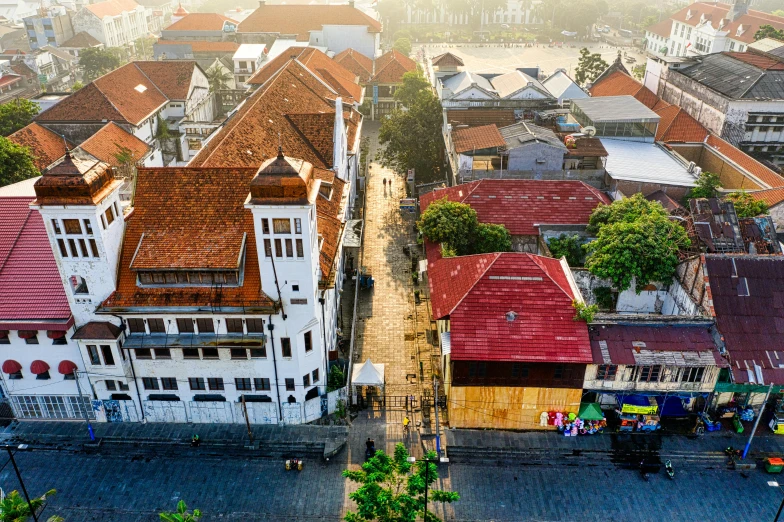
(36, 324)
(114, 23)
(247, 60)
(514, 12)
(709, 27)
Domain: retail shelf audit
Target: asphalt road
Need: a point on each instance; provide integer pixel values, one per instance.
(134, 488)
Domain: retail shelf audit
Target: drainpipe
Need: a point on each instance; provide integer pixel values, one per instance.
(133, 368)
(271, 327)
(323, 300)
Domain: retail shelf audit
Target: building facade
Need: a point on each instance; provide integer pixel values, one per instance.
(52, 28)
(114, 23)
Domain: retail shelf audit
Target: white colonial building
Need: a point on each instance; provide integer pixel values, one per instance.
(114, 23)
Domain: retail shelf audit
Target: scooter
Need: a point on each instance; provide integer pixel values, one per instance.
(670, 471)
(370, 453)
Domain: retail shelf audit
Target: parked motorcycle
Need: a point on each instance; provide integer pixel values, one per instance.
(670, 471)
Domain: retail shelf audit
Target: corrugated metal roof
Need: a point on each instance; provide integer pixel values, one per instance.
(736, 78)
(521, 133)
(615, 108)
(632, 344)
(645, 162)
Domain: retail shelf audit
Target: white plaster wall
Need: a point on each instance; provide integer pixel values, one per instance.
(338, 38)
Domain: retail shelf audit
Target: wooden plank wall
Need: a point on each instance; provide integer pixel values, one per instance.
(508, 407)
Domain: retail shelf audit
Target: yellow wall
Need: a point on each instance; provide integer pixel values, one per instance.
(506, 407)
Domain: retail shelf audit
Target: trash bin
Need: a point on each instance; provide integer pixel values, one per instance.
(774, 465)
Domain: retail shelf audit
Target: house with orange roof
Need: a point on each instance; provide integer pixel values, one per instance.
(114, 23)
(388, 71)
(203, 27)
(337, 27)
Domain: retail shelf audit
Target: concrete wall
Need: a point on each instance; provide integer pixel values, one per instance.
(709, 160)
(535, 157)
(632, 187)
(777, 213)
(595, 178)
(694, 281)
(703, 104)
(338, 38)
(663, 299)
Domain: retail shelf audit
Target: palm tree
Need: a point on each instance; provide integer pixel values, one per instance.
(14, 508)
(219, 79)
(182, 514)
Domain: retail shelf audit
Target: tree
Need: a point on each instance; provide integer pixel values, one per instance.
(570, 247)
(403, 45)
(218, 79)
(706, 186)
(414, 84)
(16, 114)
(778, 12)
(589, 66)
(96, 62)
(746, 205)
(16, 163)
(14, 507)
(392, 489)
(638, 71)
(143, 49)
(336, 378)
(182, 514)
(449, 223)
(768, 31)
(491, 238)
(412, 138)
(76, 86)
(636, 241)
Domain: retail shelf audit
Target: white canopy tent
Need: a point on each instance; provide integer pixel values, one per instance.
(369, 374)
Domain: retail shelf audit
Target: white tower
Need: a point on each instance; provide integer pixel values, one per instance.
(79, 201)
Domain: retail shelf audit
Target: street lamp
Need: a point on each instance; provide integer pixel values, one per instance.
(19, 476)
(427, 461)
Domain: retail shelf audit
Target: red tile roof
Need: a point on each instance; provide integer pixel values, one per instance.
(111, 7)
(447, 60)
(204, 47)
(754, 167)
(251, 136)
(391, 67)
(195, 217)
(715, 12)
(356, 62)
(201, 22)
(476, 138)
(111, 141)
(758, 60)
(130, 94)
(618, 83)
(30, 284)
(299, 20)
(45, 145)
(677, 125)
(343, 81)
(618, 340)
(663, 28)
(519, 205)
(80, 40)
(477, 292)
(772, 196)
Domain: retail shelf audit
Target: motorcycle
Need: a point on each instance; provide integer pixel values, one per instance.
(670, 471)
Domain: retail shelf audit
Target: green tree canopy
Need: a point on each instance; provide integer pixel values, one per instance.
(589, 66)
(768, 31)
(393, 490)
(14, 507)
(96, 62)
(76, 86)
(491, 238)
(746, 205)
(16, 114)
(403, 45)
(636, 241)
(412, 138)
(414, 86)
(143, 48)
(569, 246)
(182, 514)
(450, 223)
(706, 186)
(16, 163)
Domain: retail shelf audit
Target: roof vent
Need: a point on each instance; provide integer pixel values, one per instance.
(511, 316)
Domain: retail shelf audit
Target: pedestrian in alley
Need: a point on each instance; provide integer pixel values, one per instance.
(385, 182)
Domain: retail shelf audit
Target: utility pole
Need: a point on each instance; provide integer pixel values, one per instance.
(427, 462)
(21, 482)
(247, 420)
(86, 416)
(756, 423)
(435, 402)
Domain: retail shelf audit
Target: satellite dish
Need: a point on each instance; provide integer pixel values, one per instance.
(589, 131)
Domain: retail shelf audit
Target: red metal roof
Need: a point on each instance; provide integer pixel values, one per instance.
(477, 292)
(520, 205)
(658, 338)
(30, 284)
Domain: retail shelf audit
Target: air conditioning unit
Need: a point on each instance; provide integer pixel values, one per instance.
(691, 166)
(697, 171)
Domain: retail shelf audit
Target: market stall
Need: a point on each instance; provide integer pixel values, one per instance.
(369, 376)
(638, 413)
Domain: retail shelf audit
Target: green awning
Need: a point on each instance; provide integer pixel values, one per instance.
(590, 411)
(724, 387)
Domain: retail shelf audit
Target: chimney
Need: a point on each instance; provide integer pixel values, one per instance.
(262, 3)
(351, 3)
(738, 9)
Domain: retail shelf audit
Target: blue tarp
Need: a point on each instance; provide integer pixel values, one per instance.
(672, 406)
(635, 400)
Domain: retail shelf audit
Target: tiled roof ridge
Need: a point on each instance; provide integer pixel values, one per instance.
(494, 255)
(325, 84)
(98, 88)
(18, 235)
(537, 259)
(305, 138)
(150, 80)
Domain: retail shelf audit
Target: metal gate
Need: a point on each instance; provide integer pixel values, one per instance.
(261, 412)
(120, 411)
(395, 402)
(165, 411)
(211, 412)
(292, 413)
(51, 406)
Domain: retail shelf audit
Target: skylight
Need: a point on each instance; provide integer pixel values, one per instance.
(140, 88)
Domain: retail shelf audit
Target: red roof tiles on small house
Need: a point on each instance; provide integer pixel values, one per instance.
(677, 125)
(204, 47)
(45, 145)
(299, 20)
(80, 40)
(522, 205)
(477, 138)
(391, 66)
(30, 284)
(447, 60)
(201, 22)
(112, 143)
(508, 307)
(357, 63)
(757, 169)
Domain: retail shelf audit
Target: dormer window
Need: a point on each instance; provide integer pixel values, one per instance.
(325, 190)
(689, 14)
(189, 277)
(740, 31)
